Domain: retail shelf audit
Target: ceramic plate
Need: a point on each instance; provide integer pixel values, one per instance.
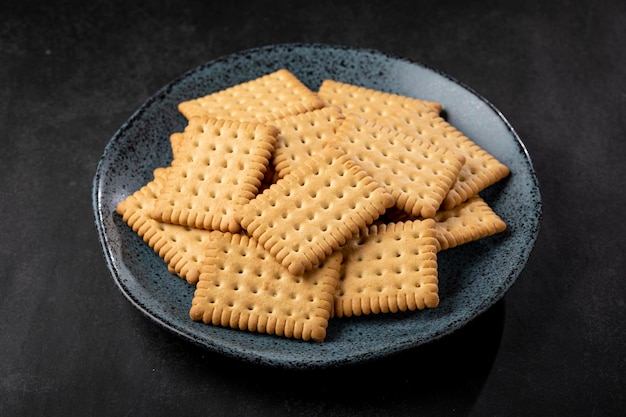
(472, 276)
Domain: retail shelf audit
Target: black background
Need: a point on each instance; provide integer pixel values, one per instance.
(70, 344)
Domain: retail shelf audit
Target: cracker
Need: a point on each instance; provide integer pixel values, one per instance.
(315, 209)
(279, 92)
(471, 220)
(389, 268)
(218, 167)
(415, 172)
(369, 102)
(303, 135)
(182, 248)
(415, 118)
(243, 287)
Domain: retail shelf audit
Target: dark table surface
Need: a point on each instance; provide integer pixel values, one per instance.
(71, 344)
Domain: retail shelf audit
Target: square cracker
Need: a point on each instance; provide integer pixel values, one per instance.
(415, 172)
(218, 167)
(243, 287)
(277, 93)
(471, 220)
(315, 209)
(417, 118)
(303, 135)
(389, 268)
(182, 248)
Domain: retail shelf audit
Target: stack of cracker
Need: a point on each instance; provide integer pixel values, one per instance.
(286, 207)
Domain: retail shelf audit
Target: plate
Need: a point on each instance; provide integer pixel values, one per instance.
(472, 277)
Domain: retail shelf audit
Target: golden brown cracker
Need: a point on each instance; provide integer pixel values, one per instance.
(416, 173)
(243, 287)
(389, 268)
(219, 166)
(471, 220)
(182, 248)
(279, 92)
(315, 209)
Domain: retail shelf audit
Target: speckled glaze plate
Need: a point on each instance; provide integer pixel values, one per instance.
(472, 276)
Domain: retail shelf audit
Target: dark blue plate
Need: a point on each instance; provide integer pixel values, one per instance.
(472, 276)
